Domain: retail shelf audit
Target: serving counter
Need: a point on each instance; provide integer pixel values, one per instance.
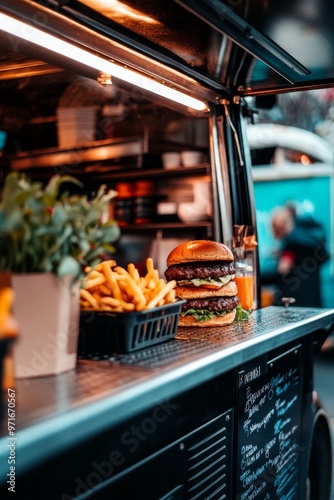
(142, 425)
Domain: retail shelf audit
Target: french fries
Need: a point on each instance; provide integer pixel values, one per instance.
(109, 287)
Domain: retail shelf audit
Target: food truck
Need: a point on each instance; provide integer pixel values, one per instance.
(103, 91)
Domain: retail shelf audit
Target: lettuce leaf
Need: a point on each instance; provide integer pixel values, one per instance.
(204, 314)
(241, 314)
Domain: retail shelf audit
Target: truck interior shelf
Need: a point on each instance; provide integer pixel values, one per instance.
(119, 158)
(156, 226)
(90, 152)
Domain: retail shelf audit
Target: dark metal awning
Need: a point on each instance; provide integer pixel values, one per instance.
(210, 48)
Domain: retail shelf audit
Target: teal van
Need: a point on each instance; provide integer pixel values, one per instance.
(300, 172)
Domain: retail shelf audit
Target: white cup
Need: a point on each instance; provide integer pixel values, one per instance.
(171, 160)
(192, 212)
(191, 158)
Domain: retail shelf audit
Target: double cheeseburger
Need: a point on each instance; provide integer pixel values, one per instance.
(204, 271)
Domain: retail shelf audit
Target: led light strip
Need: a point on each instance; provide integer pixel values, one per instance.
(66, 49)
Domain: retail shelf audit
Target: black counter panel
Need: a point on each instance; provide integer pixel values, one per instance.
(269, 428)
(223, 413)
(197, 466)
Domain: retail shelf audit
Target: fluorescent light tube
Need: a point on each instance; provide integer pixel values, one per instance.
(38, 37)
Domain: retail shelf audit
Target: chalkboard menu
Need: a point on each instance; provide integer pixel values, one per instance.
(269, 408)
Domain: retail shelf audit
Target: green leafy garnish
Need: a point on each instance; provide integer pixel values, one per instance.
(202, 314)
(241, 314)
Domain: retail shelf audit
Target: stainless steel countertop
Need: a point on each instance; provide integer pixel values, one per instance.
(53, 413)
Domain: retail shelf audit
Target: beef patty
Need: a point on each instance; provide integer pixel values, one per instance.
(212, 304)
(200, 270)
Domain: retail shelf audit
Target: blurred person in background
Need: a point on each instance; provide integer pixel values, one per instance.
(302, 252)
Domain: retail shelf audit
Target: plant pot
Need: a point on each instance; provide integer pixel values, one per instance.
(47, 310)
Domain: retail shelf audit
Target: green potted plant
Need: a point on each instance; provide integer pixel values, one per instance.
(47, 239)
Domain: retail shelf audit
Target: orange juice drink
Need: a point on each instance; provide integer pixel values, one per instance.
(245, 286)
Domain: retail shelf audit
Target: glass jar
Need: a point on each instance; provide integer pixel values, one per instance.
(123, 211)
(244, 279)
